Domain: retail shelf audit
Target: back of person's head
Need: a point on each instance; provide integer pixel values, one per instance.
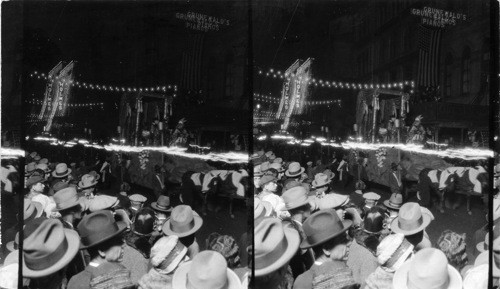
(454, 247)
(226, 245)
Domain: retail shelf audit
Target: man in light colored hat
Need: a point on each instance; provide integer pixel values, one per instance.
(429, 268)
(61, 172)
(411, 222)
(102, 202)
(136, 202)
(297, 204)
(327, 235)
(392, 205)
(294, 171)
(206, 270)
(321, 185)
(88, 185)
(275, 246)
(36, 185)
(261, 209)
(371, 200)
(162, 211)
(184, 223)
(69, 206)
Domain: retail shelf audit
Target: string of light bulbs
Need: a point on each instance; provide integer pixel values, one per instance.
(90, 104)
(277, 74)
(86, 85)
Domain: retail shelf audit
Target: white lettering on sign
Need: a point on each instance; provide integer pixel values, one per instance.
(438, 17)
(202, 22)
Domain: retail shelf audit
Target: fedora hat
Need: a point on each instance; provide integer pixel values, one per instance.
(329, 173)
(59, 186)
(261, 208)
(294, 170)
(264, 166)
(65, 199)
(61, 171)
(429, 268)
(410, 220)
(162, 205)
(394, 202)
(30, 168)
(49, 249)
(208, 269)
(87, 181)
(44, 161)
(32, 210)
(98, 227)
(321, 180)
(144, 222)
(257, 171)
(278, 161)
(274, 245)
(322, 226)
(295, 197)
(102, 202)
(183, 222)
(95, 175)
(374, 220)
(277, 167)
(44, 167)
(393, 251)
(266, 179)
(35, 179)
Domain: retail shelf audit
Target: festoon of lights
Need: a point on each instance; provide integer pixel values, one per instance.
(88, 104)
(277, 74)
(90, 86)
(272, 99)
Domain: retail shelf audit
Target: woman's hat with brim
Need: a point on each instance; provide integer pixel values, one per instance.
(208, 269)
(49, 249)
(183, 222)
(322, 226)
(294, 170)
(410, 220)
(321, 180)
(429, 268)
(394, 202)
(98, 227)
(87, 181)
(162, 205)
(274, 246)
(61, 171)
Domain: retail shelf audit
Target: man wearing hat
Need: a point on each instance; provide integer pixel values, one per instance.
(297, 204)
(395, 183)
(158, 182)
(321, 184)
(275, 245)
(269, 187)
(162, 211)
(136, 202)
(36, 186)
(392, 206)
(46, 252)
(102, 236)
(411, 222)
(88, 185)
(184, 223)
(327, 235)
(371, 200)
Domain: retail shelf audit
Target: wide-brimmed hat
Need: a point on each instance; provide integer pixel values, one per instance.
(294, 170)
(183, 222)
(102, 202)
(266, 179)
(31, 210)
(163, 204)
(393, 251)
(476, 277)
(329, 173)
(410, 220)
(44, 161)
(429, 268)
(61, 171)
(261, 208)
(374, 220)
(98, 227)
(295, 197)
(144, 222)
(257, 172)
(95, 175)
(137, 199)
(277, 167)
(30, 168)
(87, 181)
(394, 202)
(44, 167)
(321, 180)
(371, 196)
(322, 226)
(49, 249)
(484, 245)
(34, 180)
(208, 269)
(66, 198)
(59, 186)
(167, 253)
(274, 245)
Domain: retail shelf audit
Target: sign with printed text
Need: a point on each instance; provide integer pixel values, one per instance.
(202, 22)
(438, 17)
